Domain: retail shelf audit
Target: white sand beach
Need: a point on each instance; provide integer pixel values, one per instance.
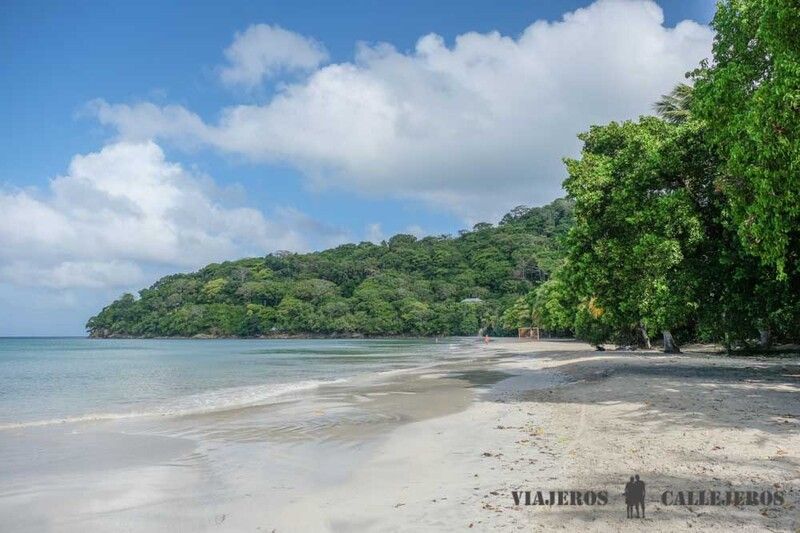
(439, 448)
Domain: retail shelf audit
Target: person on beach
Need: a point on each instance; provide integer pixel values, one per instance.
(629, 497)
(638, 486)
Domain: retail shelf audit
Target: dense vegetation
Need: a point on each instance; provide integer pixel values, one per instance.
(689, 225)
(402, 286)
(686, 226)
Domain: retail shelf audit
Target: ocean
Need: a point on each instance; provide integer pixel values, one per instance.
(45, 381)
(147, 435)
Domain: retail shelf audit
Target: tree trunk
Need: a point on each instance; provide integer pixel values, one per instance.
(669, 343)
(645, 338)
(763, 339)
(728, 344)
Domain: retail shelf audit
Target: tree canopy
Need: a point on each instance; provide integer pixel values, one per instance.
(749, 97)
(689, 223)
(403, 286)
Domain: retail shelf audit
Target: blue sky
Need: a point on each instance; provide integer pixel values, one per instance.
(331, 140)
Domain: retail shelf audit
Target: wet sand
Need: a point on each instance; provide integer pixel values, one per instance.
(437, 448)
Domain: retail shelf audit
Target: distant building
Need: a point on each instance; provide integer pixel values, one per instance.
(471, 301)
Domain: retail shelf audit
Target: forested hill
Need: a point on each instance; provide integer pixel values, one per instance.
(438, 285)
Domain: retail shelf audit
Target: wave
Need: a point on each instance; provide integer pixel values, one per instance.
(220, 400)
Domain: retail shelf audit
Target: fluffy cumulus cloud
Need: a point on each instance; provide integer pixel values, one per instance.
(124, 213)
(262, 51)
(475, 126)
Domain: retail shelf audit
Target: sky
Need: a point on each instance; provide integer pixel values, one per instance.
(146, 138)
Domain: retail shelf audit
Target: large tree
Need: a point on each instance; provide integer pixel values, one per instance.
(749, 97)
(636, 227)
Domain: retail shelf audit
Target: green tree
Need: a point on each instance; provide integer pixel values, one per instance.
(404, 286)
(295, 316)
(555, 304)
(635, 225)
(675, 107)
(750, 100)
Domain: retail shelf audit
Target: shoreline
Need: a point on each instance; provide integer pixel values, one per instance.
(288, 336)
(437, 448)
(278, 336)
(776, 351)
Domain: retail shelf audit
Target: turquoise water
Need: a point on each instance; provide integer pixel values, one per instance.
(51, 380)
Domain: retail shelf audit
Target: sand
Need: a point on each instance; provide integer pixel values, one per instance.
(442, 449)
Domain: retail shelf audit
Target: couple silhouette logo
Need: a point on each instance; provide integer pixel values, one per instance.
(634, 496)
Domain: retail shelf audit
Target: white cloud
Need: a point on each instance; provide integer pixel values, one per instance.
(374, 233)
(475, 127)
(416, 230)
(121, 214)
(72, 274)
(262, 51)
(305, 229)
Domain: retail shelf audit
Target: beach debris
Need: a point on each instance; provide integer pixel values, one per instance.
(398, 505)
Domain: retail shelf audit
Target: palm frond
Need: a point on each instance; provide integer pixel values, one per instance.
(675, 107)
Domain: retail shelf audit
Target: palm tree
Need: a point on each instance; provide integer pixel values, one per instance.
(675, 107)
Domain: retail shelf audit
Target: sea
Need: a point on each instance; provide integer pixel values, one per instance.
(47, 381)
(147, 435)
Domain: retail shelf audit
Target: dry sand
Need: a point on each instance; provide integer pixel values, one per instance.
(682, 422)
(442, 449)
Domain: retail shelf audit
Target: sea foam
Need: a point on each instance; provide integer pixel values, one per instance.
(226, 399)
